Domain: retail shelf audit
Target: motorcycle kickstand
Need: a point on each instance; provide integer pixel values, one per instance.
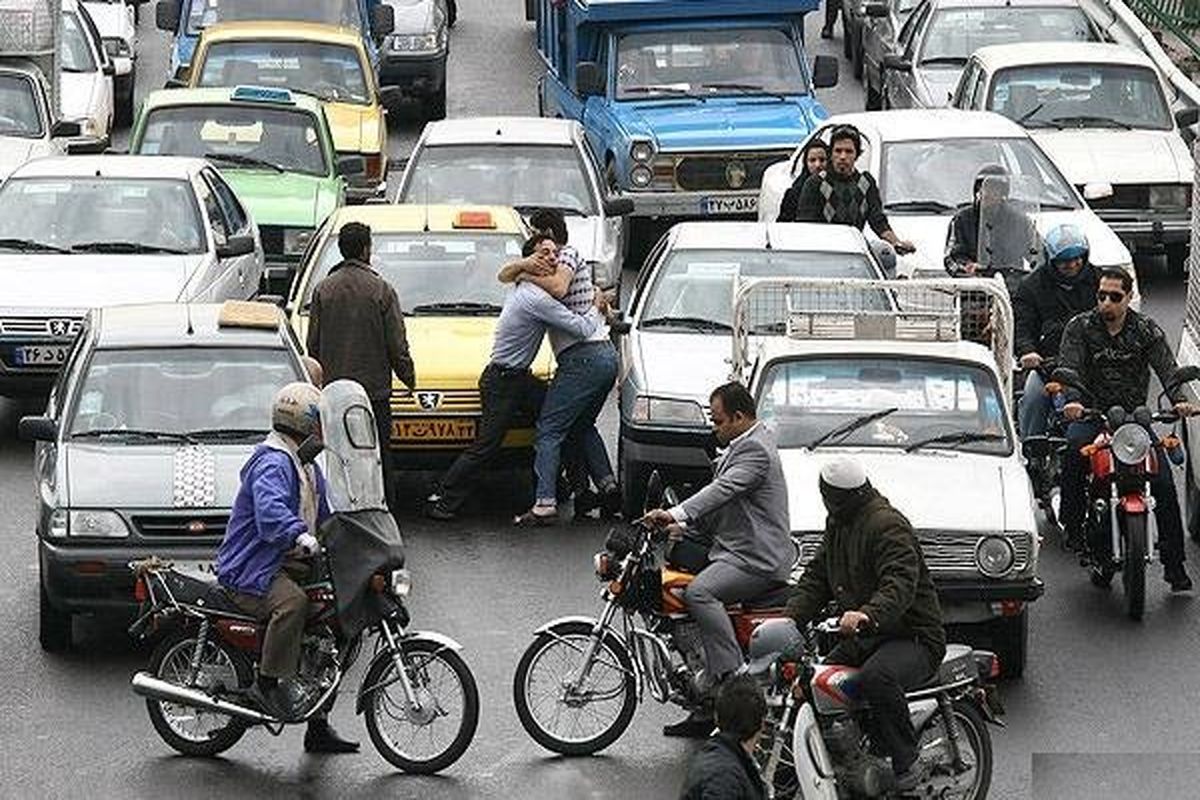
(946, 712)
(410, 695)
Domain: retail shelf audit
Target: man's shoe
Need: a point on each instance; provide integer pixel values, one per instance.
(437, 511)
(909, 780)
(1178, 578)
(1073, 540)
(322, 738)
(696, 726)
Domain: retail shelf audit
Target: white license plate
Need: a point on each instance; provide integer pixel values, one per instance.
(202, 570)
(729, 205)
(41, 355)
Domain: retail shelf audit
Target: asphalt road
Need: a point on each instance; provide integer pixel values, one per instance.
(69, 726)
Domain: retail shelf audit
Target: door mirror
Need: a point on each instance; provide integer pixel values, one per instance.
(1097, 191)
(618, 206)
(620, 327)
(236, 246)
(897, 63)
(350, 165)
(825, 72)
(590, 80)
(276, 300)
(875, 10)
(390, 95)
(65, 130)
(175, 83)
(1187, 117)
(108, 69)
(166, 15)
(37, 429)
(383, 20)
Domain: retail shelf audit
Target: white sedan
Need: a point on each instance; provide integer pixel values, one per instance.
(118, 33)
(87, 79)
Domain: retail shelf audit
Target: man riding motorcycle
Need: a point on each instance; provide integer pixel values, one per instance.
(745, 511)
(990, 209)
(279, 507)
(1112, 349)
(1047, 299)
(871, 566)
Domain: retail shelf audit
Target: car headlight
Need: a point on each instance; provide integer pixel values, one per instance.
(416, 42)
(670, 412)
(401, 583)
(1130, 443)
(296, 240)
(1170, 195)
(641, 151)
(90, 522)
(994, 555)
(640, 176)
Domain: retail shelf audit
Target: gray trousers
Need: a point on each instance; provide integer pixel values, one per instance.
(285, 609)
(717, 584)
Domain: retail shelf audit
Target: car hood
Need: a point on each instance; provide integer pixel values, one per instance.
(355, 128)
(89, 280)
(683, 365)
(282, 199)
(112, 19)
(937, 83)
(678, 125)
(414, 18)
(1116, 156)
(16, 150)
(114, 475)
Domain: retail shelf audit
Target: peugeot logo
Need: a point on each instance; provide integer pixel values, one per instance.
(429, 400)
(197, 526)
(735, 174)
(59, 327)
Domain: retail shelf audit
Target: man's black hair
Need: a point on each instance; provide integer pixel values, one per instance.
(1117, 274)
(734, 398)
(552, 221)
(740, 707)
(354, 239)
(846, 133)
(533, 241)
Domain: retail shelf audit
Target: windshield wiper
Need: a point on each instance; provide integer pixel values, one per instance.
(248, 161)
(695, 323)
(227, 433)
(748, 88)
(956, 438)
(570, 211)
(847, 428)
(30, 246)
(951, 60)
(139, 433)
(663, 88)
(936, 206)
(461, 307)
(1084, 118)
(125, 247)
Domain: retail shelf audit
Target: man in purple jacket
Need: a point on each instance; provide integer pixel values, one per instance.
(279, 507)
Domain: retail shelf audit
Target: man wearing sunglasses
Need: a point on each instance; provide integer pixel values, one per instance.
(1113, 348)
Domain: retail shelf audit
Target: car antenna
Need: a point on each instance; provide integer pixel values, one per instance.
(426, 228)
(767, 235)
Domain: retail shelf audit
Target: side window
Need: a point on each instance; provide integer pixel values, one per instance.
(910, 34)
(61, 390)
(238, 220)
(213, 209)
(978, 90)
(965, 87)
(93, 36)
(652, 258)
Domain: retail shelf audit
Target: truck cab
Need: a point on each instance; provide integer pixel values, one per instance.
(685, 103)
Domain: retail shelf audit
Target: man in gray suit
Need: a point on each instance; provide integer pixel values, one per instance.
(745, 511)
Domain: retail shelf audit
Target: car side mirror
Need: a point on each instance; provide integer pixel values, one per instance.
(175, 83)
(825, 72)
(1187, 117)
(590, 80)
(236, 246)
(898, 63)
(1097, 191)
(390, 95)
(876, 10)
(65, 130)
(620, 327)
(166, 15)
(618, 206)
(37, 429)
(350, 165)
(274, 299)
(383, 20)
(109, 69)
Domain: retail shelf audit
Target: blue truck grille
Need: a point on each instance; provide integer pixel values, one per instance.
(724, 171)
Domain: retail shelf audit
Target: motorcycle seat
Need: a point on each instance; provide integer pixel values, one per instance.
(208, 595)
(776, 598)
(958, 663)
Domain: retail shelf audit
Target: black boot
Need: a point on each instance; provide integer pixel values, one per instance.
(322, 738)
(1177, 576)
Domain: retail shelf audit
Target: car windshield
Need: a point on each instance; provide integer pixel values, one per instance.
(524, 176)
(693, 290)
(435, 272)
(81, 214)
(939, 173)
(1081, 95)
(708, 62)
(256, 136)
(202, 13)
(75, 52)
(19, 114)
(181, 390)
(328, 71)
(954, 33)
(805, 398)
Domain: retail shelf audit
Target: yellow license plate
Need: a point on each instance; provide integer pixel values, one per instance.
(422, 431)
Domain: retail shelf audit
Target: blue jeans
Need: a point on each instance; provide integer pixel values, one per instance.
(584, 377)
(1035, 407)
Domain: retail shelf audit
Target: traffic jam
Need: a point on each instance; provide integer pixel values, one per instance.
(825, 372)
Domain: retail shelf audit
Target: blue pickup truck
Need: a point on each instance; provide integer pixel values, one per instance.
(685, 102)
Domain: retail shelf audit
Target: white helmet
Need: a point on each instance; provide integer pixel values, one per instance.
(296, 410)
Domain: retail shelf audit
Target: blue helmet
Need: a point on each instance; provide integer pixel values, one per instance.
(1065, 242)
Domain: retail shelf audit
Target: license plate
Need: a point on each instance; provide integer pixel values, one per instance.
(729, 205)
(419, 431)
(40, 355)
(202, 570)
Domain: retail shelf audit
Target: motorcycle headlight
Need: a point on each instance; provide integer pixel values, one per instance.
(107, 524)
(1170, 195)
(401, 583)
(641, 176)
(670, 412)
(994, 555)
(295, 240)
(1130, 444)
(641, 151)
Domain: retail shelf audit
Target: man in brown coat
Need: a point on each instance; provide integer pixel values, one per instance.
(356, 331)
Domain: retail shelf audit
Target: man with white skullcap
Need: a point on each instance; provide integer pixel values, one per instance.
(870, 565)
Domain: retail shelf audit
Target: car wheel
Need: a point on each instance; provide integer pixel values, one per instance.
(1010, 642)
(632, 479)
(856, 57)
(435, 104)
(1177, 258)
(847, 44)
(530, 10)
(451, 13)
(54, 626)
(124, 103)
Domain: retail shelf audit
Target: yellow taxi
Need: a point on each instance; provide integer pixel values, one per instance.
(443, 261)
(326, 61)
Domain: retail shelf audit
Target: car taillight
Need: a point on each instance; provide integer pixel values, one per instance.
(140, 593)
(788, 671)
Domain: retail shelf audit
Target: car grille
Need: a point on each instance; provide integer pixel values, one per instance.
(195, 526)
(436, 401)
(41, 326)
(724, 171)
(948, 554)
(1125, 195)
(272, 239)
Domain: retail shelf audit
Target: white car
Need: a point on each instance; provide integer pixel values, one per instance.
(527, 163)
(84, 231)
(86, 83)
(677, 330)
(118, 33)
(28, 128)
(926, 160)
(1101, 113)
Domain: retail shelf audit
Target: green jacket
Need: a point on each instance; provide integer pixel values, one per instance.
(874, 565)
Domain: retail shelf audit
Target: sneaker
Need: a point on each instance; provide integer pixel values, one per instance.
(696, 726)
(1178, 578)
(322, 738)
(437, 511)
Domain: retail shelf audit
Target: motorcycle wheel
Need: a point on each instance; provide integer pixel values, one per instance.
(976, 744)
(563, 648)
(444, 684)
(1133, 570)
(188, 730)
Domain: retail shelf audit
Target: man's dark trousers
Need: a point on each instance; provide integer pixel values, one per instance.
(381, 407)
(510, 397)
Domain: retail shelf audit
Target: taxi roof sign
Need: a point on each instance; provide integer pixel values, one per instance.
(474, 219)
(263, 94)
(248, 314)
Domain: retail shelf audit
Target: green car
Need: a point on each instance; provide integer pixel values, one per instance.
(272, 146)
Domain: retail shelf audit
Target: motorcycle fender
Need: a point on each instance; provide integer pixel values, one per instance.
(550, 629)
(814, 767)
(443, 642)
(1133, 504)
(554, 623)
(921, 710)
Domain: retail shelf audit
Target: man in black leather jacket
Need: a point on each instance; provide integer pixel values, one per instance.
(723, 768)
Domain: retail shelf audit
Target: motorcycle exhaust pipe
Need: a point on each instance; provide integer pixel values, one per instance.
(147, 685)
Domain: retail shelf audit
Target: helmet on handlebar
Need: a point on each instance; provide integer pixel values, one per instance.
(771, 640)
(1065, 242)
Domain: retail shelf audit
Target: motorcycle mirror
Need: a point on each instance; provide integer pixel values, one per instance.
(654, 491)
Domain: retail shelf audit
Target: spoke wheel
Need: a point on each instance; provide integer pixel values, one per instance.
(975, 745)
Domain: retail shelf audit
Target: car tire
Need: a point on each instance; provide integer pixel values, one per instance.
(435, 104)
(856, 57)
(847, 44)
(1177, 258)
(54, 625)
(124, 103)
(632, 479)
(1010, 643)
(530, 10)
(451, 13)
